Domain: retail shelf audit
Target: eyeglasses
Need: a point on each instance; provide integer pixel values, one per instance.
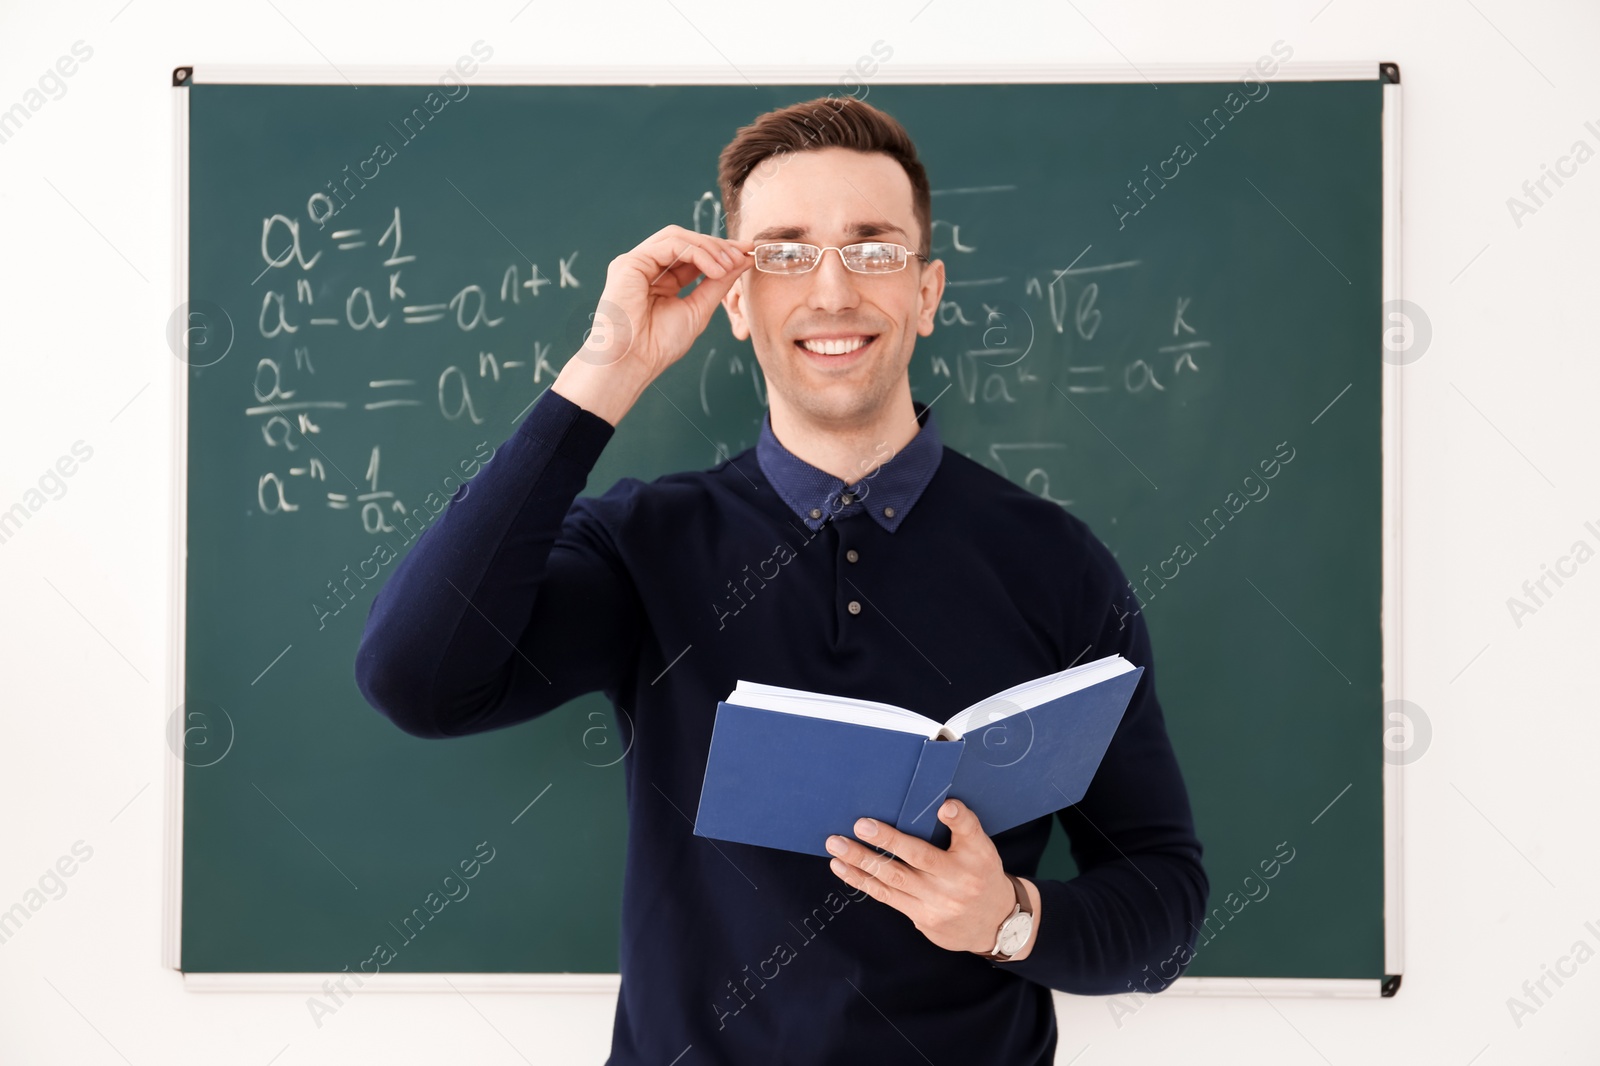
(874, 257)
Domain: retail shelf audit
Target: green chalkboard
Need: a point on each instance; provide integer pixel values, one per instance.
(1143, 350)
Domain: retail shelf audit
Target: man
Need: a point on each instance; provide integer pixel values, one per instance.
(847, 552)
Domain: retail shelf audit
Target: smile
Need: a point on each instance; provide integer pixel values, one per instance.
(835, 347)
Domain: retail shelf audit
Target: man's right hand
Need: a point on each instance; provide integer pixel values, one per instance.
(641, 326)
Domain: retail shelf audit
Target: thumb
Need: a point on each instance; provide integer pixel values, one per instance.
(703, 301)
(965, 827)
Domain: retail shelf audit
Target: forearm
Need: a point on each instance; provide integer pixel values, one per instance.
(438, 651)
(1129, 919)
(1112, 930)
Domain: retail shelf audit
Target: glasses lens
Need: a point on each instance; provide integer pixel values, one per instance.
(786, 258)
(875, 258)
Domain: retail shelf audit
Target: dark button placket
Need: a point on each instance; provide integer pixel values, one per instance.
(848, 571)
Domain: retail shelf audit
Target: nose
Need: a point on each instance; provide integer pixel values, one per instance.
(833, 284)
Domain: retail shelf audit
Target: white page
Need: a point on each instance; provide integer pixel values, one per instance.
(833, 708)
(847, 709)
(1031, 694)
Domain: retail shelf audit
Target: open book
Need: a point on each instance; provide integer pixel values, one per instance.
(788, 767)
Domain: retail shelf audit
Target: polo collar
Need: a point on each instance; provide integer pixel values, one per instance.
(887, 494)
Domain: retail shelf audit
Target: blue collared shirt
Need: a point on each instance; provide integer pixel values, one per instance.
(887, 494)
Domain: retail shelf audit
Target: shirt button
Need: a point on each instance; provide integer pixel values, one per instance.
(847, 499)
(854, 607)
(852, 555)
(888, 512)
(816, 512)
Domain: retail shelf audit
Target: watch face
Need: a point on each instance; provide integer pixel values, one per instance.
(1014, 933)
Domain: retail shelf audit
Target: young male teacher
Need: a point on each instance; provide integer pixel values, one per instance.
(848, 552)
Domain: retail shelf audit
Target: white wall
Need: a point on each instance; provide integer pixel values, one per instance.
(1500, 434)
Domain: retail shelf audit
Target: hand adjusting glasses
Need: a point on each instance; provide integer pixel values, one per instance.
(872, 257)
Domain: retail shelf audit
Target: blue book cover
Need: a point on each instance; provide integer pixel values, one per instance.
(787, 768)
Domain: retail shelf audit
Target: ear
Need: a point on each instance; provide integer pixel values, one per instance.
(931, 292)
(733, 304)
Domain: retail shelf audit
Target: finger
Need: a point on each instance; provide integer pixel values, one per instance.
(735, 246)
(666, 263)
(875, 887)
(731, 253)
(886, 868)
(680, 261)
(681, 242)
(914, 850)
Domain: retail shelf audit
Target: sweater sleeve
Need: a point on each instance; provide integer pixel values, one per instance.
(1128, 921)
(513, 601)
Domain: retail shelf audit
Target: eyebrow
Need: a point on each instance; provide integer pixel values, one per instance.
(854, 229)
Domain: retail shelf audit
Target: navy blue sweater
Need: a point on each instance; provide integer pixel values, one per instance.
(664, 595)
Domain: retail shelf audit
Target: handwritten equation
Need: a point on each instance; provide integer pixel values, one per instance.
(301, 307)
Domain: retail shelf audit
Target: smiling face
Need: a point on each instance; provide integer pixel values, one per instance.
(833, 197)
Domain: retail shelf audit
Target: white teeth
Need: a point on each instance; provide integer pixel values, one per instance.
(834, 347)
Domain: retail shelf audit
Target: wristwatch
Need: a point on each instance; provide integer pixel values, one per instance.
(1015, 930)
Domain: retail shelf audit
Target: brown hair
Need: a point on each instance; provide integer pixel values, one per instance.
(826, 122)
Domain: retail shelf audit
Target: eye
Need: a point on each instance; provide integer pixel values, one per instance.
(875, 256)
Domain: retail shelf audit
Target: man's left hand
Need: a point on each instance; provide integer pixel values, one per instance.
(955, 898)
